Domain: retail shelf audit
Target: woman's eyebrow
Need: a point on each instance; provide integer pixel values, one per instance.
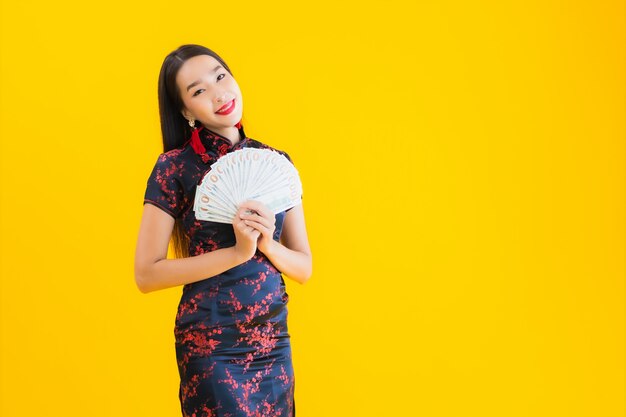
(195, 83)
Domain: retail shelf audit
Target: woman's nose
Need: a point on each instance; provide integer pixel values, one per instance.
(220, 99)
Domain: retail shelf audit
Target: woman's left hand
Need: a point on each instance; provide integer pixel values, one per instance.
(263, 220)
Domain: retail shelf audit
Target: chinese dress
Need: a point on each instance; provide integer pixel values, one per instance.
(232, 343)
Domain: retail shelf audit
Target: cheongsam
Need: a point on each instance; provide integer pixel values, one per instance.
(231, 338)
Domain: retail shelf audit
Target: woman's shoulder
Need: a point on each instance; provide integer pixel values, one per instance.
(173, 163)
(176, 155)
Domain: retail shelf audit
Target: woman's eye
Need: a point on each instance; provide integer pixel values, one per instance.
(202, 89)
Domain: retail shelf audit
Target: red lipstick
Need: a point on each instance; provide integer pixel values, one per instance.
(227, 108)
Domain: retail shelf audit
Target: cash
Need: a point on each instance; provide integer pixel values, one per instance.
(247, 174)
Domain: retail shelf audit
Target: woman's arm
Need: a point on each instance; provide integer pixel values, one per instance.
(154, 272)
(292, 255)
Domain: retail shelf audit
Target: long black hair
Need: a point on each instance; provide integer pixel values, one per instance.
(174, 127)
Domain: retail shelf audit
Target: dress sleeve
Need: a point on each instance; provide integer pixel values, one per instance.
(164, 189)
(290, 160)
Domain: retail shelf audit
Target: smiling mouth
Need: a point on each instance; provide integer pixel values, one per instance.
(226, 107)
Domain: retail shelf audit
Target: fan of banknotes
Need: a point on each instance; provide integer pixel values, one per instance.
(247, 174)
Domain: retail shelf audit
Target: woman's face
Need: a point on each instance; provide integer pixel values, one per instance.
(205, 87)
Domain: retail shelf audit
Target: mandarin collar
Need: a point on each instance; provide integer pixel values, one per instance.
(217, 144)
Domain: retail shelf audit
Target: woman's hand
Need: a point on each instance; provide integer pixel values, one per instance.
(262, 220)
(246, 236)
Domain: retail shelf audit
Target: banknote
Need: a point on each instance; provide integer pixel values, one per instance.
(247, 174)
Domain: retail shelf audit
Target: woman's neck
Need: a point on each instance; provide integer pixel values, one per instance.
(230, 133)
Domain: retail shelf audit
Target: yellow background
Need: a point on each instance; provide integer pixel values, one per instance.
(463, 166)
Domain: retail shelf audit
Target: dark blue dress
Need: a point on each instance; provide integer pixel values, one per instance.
(232, 343)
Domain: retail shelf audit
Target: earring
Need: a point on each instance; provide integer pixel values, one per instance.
(196, 143)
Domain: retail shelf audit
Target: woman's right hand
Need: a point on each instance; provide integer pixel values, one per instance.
(246, 237)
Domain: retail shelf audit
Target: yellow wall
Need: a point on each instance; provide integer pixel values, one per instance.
(463, 166)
